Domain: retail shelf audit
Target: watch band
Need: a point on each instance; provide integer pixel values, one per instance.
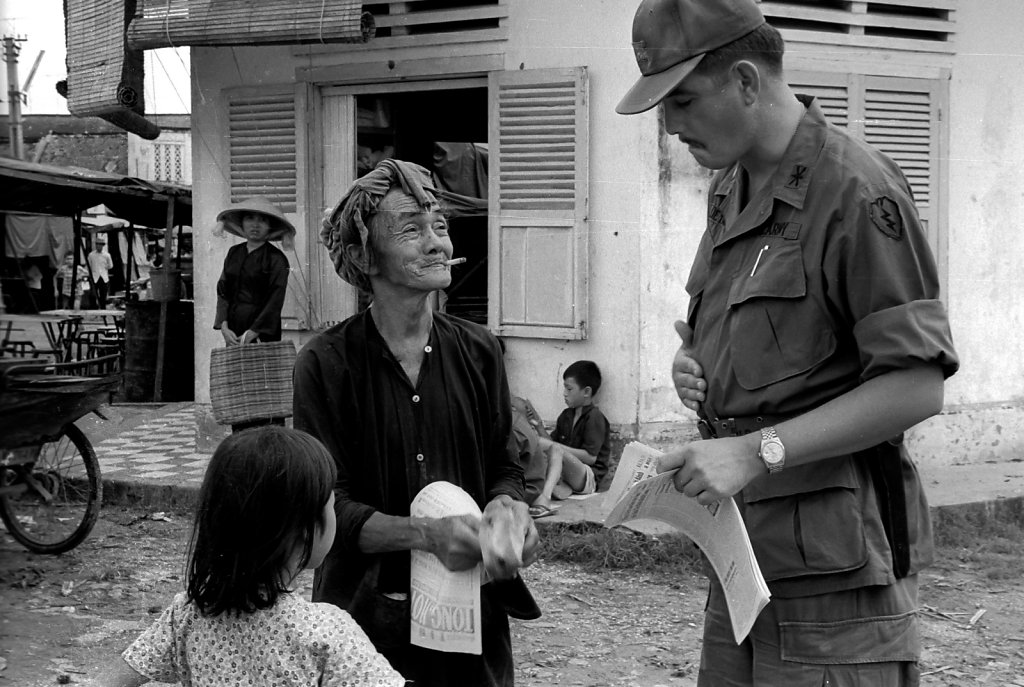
(770, 437)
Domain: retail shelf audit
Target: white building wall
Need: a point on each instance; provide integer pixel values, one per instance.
(647, 211)
(554, 34)
(985, 400)
(214, 70)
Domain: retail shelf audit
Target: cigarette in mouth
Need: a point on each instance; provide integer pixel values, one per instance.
(454, 261)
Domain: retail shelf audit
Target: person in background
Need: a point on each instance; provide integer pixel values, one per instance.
(100, 264)
(71, 287)
(266, 512)
(34, 282)
(254, 280)
(814, 338)
(579, 448)
(527, 433)
(402, 396)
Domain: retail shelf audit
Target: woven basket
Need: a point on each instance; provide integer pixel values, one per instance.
(251, 382)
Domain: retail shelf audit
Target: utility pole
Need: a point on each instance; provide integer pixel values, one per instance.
(14, 95)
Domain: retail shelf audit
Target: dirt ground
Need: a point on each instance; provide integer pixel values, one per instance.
(65, 617)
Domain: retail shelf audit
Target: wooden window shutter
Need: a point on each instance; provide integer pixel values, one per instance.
(261, 140)
(538, 243)
(263, 160)
(832, 91)
(900, 116)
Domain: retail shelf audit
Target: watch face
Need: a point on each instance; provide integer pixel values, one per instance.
(772, 452)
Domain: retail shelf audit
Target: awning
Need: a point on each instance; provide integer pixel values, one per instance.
(31, 188)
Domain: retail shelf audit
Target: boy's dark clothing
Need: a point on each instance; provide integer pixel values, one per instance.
(590, 433)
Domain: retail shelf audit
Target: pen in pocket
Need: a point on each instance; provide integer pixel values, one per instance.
(758, 261)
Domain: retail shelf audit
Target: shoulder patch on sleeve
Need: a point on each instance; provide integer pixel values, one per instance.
(885, 214)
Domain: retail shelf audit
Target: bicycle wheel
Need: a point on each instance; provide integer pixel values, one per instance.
(61, 501)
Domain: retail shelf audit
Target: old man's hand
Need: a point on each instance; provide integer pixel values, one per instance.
(508, 537)
(455, 540)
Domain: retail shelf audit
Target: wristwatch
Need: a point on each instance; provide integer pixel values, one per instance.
(772, 452)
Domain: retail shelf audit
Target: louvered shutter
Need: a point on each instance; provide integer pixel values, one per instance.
(832, 91)
(261, 139)
(263, 161)
(901, 119)
(899, 116)
(539, 137)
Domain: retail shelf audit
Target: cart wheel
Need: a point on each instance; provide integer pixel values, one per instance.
(62, 502)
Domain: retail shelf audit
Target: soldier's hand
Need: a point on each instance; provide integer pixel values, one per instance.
(687, 374)
(713, 469)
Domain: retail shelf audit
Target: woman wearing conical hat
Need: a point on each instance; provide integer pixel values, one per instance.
(252, 285)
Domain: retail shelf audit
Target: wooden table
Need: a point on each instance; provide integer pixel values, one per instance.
(79, 336)
(107, 317)
(59, 331)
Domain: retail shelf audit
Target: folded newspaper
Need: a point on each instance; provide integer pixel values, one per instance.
(444, 605)
(638, 492)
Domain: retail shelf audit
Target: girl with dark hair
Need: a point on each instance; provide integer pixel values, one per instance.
(266, 512)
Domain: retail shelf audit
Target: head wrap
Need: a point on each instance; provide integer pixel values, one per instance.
(348, 222)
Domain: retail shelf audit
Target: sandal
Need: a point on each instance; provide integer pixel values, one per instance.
(541, 511)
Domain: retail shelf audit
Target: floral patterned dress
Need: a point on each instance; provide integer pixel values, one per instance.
(295, 642)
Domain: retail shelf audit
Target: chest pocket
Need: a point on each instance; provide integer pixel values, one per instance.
(776, 331)
(697, 279)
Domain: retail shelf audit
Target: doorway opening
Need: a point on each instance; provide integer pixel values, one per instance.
(445, 131)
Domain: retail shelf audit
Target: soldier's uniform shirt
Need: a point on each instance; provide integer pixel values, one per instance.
(821, 281)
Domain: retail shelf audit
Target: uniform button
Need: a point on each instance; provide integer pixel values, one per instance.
(419, 457)
(427, 349)
(416, 398)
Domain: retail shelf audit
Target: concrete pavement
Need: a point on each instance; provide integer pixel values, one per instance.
(149, 456)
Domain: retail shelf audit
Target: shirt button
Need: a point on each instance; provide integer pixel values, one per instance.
(419, 457)
(427, 349)
(416, 398)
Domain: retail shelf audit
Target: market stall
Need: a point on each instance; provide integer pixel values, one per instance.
(154, 331)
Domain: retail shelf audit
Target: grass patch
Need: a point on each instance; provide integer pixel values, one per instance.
(597, 548)
(969, 529)
(993, 546)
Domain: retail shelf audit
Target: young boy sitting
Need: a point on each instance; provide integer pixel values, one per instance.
(578, 448)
